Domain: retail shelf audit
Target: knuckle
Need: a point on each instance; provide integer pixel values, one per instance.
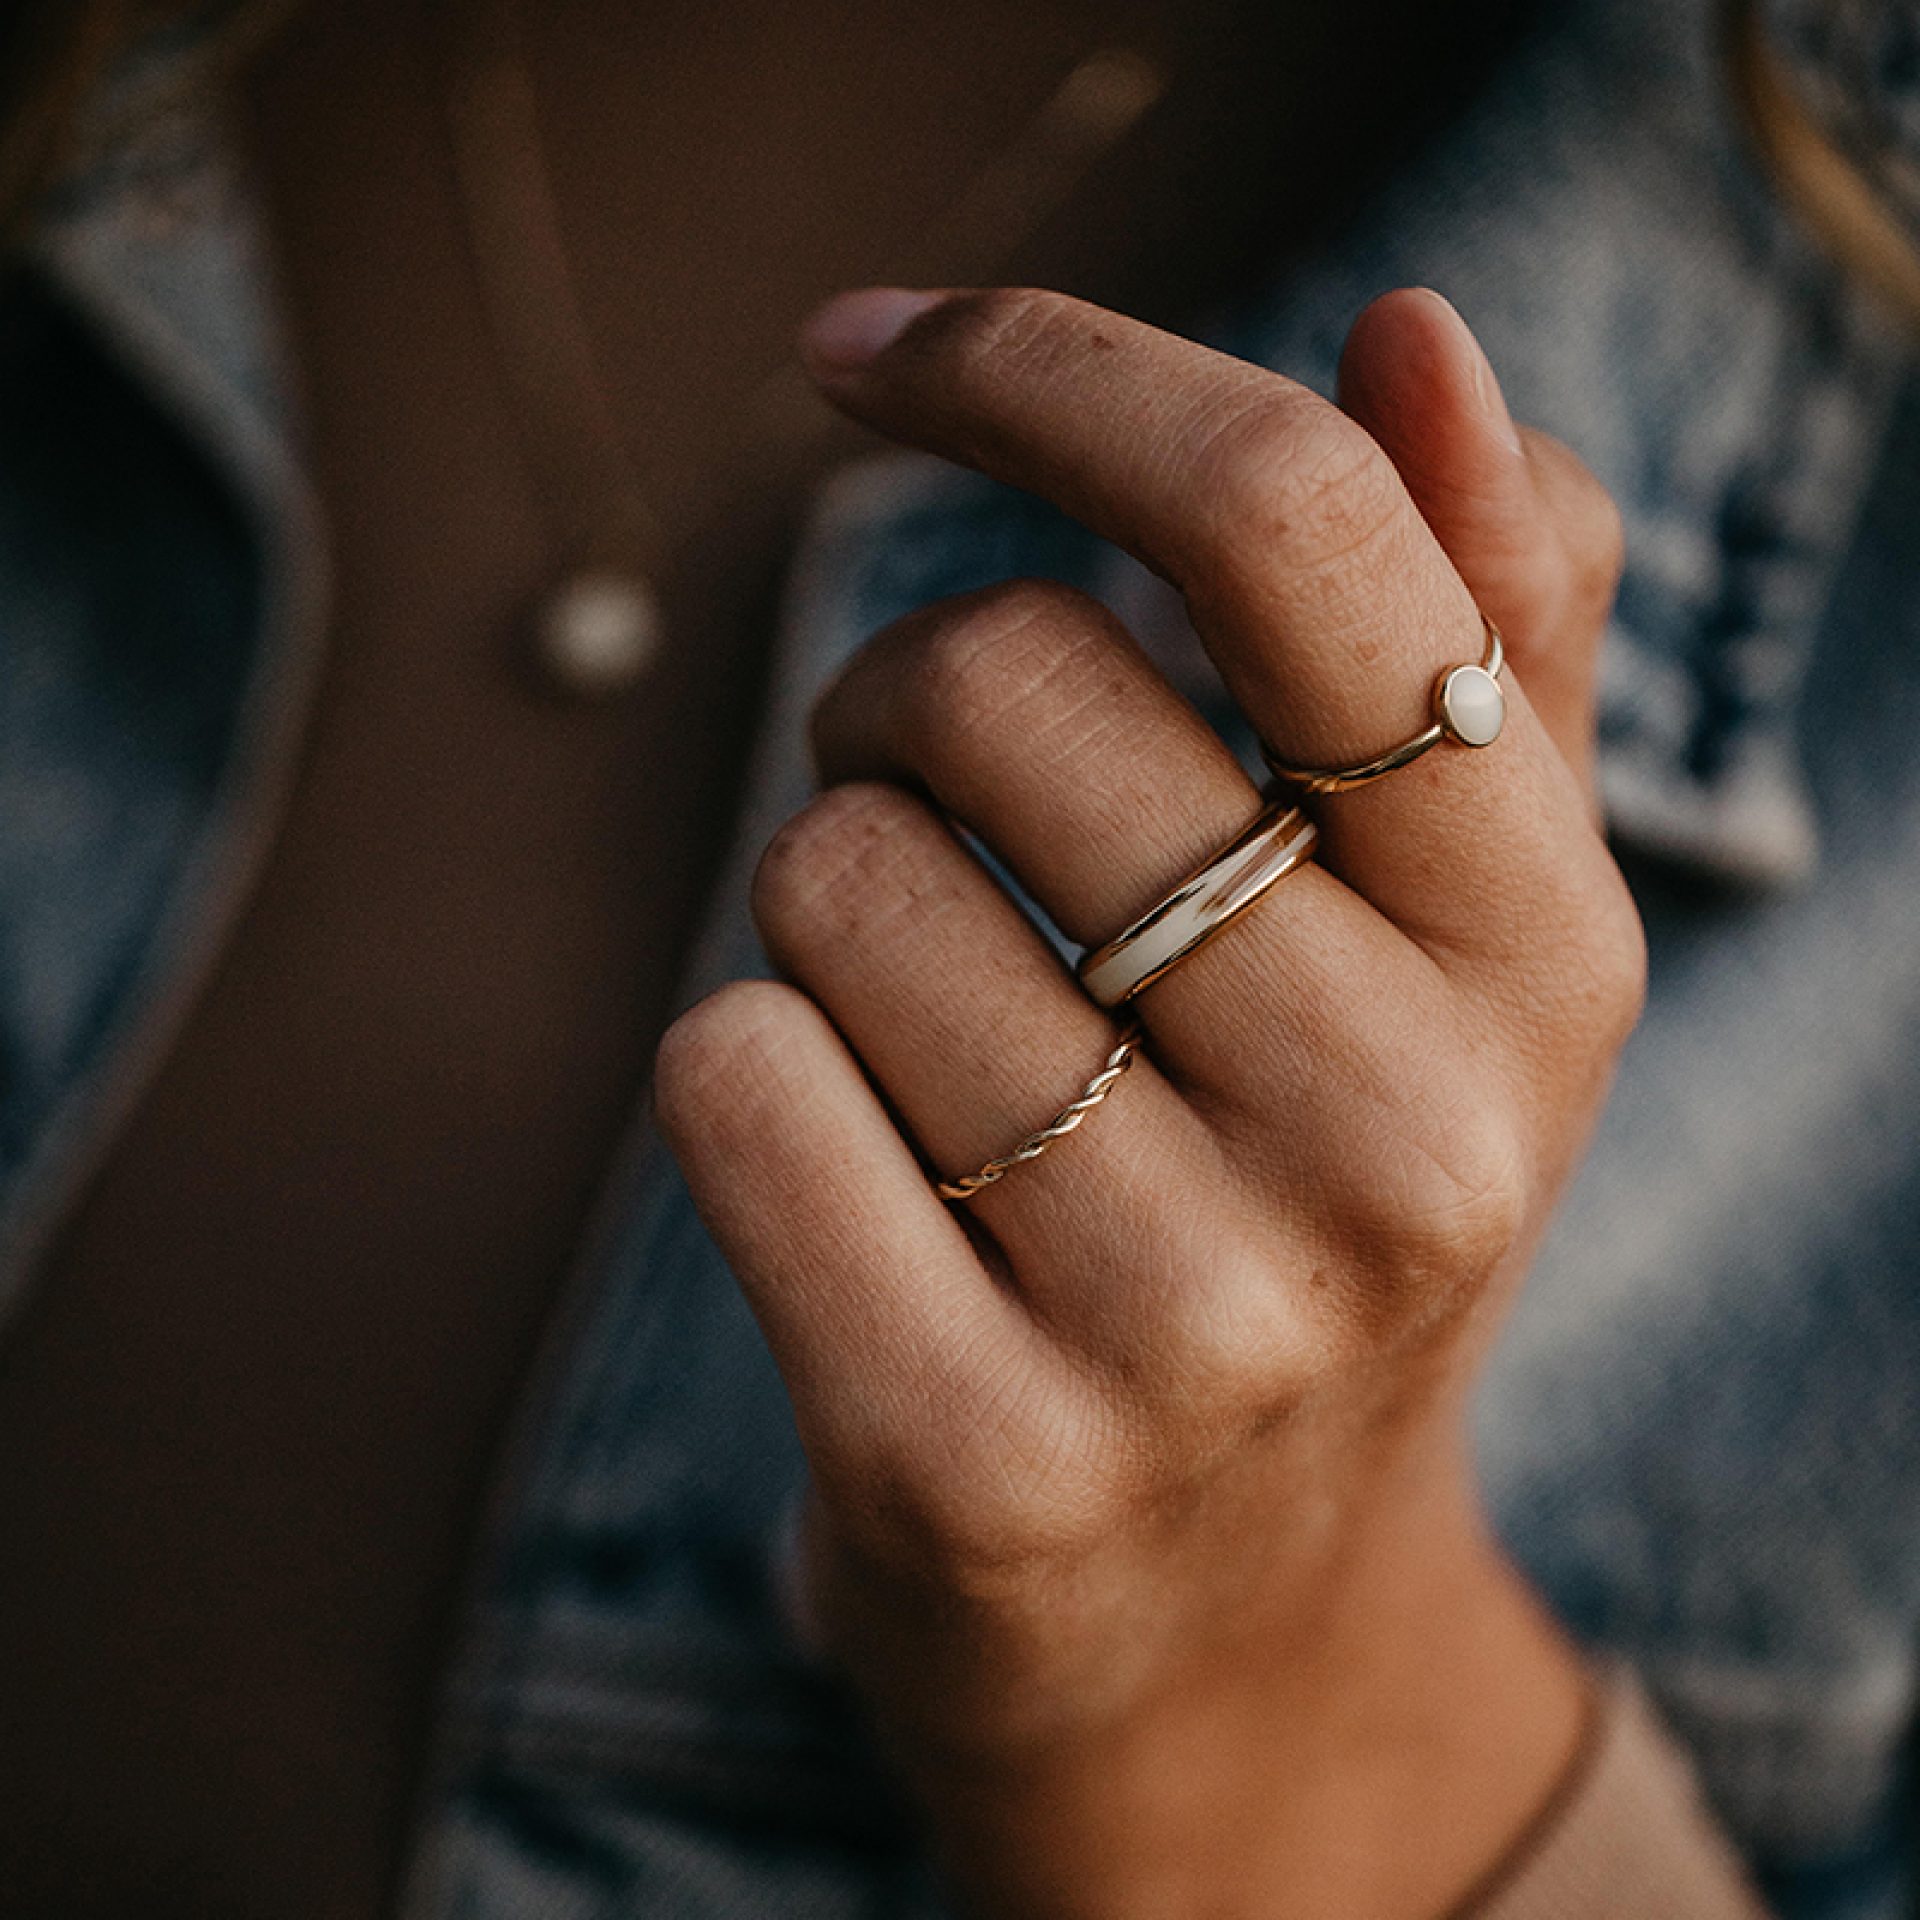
(1446, 1206)
(989, 1536)
(1234, 1344)
(743, 1036)
(1018, 1483)
(996, 654)
(838, 857)
(1286, 472)
(982, 328)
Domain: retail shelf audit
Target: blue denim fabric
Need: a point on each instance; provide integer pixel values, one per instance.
(108, 744)
(1701, 1435)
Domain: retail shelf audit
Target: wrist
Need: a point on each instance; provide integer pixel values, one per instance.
(1375, 1761)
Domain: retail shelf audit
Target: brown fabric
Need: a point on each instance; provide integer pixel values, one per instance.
(1627, 1839)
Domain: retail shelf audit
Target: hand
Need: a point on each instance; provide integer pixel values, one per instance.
(1142, 1513)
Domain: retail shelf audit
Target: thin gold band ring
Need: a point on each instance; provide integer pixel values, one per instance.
(1469, 708)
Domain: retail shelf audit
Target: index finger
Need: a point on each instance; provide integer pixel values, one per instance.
(1311, 576)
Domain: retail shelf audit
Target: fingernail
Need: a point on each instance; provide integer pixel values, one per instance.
(1486, 384)
(853, 329)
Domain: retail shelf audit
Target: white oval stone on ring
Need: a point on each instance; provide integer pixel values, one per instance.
(1471, 706)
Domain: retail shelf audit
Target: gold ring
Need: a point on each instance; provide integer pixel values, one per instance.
(1208, 899)
(1063, 1123)
(1469, 708)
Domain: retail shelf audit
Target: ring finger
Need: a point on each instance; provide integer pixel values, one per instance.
(976, 1035)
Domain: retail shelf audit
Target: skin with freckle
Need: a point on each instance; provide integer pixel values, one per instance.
(1160, 1495)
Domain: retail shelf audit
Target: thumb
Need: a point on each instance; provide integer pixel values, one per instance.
(1532, 533)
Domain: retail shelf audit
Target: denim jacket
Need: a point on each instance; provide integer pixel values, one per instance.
(1702, 1432)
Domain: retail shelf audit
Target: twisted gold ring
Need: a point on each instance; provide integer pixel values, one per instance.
(1063, 1123)
(1469, 708)
(1208, 899)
